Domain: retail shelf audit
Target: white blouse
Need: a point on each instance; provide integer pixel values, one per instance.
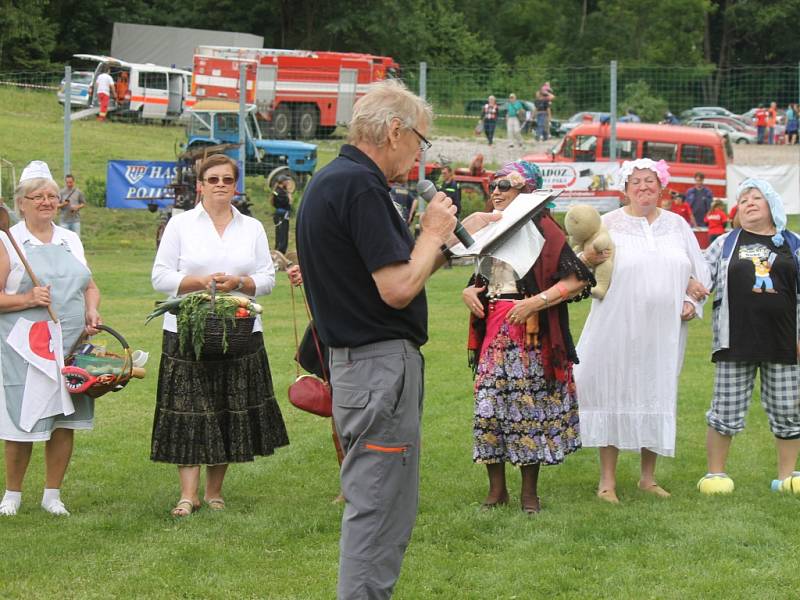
(191, 246)
(21, 234)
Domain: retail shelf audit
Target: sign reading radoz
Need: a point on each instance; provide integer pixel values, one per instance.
(137, 183)
(582, 183)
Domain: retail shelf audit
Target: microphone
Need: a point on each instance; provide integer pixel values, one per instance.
(427, 190)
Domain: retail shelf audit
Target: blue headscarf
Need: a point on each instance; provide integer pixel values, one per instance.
(773, 199)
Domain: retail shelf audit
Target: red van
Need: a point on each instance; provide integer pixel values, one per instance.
(687, 150)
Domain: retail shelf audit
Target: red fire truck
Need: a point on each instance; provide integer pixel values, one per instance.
(299, 92)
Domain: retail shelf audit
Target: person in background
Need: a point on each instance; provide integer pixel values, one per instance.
(699, 198)
(772, 120)
(405, 201)
(542, 105)
(57, 258)
(716, 219)
(282, 203)
(514, 109)
(71, 202)
(760, 119)
(755, 272)
(105, 90)
(217, 409)
(679, 207)
(451, 188)
(631, 348)
(489, 116)
(792, 123)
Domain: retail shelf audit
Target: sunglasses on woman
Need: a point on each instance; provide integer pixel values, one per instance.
(226, 180)
(503, 185)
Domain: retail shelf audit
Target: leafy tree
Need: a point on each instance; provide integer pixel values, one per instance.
(27, 37)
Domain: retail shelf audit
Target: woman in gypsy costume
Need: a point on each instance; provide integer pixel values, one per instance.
(56, 257)
(526, 410)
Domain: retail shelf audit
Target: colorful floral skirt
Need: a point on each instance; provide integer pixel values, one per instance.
(520, 417)
(211, 412)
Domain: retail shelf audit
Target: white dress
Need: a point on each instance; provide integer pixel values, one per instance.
(631, 348)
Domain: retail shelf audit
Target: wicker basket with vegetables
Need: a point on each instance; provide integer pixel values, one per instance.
(212, 325)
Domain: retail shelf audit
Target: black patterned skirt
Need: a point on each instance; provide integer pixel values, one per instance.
(213, 412)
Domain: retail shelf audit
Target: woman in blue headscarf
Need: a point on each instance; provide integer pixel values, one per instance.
(526, 411)
(755, 272)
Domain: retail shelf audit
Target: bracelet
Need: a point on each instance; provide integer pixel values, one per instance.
(446, 251)
(543, 296)
(562, 289)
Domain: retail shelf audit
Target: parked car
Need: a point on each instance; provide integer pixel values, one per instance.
(706, 111)
(734, 135)
(80, 84)
(579, 118)
(737, 123)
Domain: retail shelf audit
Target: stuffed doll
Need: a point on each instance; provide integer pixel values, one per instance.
(585, 229)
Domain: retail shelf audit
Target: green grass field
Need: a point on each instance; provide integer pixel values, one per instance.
(279, 536)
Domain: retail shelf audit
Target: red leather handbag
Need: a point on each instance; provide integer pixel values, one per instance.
(309, 392)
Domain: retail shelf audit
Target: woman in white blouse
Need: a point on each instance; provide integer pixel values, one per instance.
(631, 348)
(33, 410)
(223, 409)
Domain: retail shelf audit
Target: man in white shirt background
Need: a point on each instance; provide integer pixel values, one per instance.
(105, 89)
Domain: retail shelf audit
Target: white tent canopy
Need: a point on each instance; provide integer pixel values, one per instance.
(784, 178)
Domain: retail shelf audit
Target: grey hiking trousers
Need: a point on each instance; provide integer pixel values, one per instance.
(377, 406)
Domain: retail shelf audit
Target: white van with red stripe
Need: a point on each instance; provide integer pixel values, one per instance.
(144, 91)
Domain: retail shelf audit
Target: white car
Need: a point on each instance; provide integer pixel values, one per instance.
(725, 130)
(80, 85)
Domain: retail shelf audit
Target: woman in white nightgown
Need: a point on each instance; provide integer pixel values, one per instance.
(631, 348)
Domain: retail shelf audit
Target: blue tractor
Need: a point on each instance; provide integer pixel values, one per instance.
(215, 124)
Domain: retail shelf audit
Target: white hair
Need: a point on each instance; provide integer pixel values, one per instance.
(27, 187)
(387, 100)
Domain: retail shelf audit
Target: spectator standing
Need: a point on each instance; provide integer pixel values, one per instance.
(282, 202)
(70, 201)
(716, 220)
(761, 123)
(772, 120)
(405, 202)
(451, 188)
(542, 104)
(679, 207)
(792, 123)
(699, 198)
(515, 114)
(105, 90)
(489, 115)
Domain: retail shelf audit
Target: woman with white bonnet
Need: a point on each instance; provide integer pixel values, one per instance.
(754, 270)
(29, 412)
(631, 348)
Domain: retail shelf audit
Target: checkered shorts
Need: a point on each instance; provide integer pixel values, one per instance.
(733, 391)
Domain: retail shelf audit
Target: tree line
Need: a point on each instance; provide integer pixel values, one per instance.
(43, 34)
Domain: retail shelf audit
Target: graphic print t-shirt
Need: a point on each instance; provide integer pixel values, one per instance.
(762, 282)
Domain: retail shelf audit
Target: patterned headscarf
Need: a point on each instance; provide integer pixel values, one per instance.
(773, 199)
(523, 175)
(660, 168)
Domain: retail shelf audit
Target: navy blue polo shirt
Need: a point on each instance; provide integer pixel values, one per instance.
(348, 228)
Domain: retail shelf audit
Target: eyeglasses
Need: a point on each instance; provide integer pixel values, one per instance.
(40, 199)
(503, 185)
(424, 144)
(226, 180)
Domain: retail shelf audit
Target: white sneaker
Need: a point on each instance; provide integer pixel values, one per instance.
(8, 508)
(56, 507)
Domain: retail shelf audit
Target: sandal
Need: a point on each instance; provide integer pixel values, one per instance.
(215, 504)
(655, 489)
(608, 495)
(183, 508)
